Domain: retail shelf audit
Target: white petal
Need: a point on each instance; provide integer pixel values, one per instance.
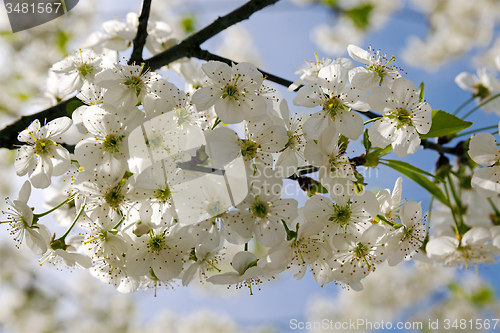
(407, 141)
(381, 133)
(487, 181)
(40, 176)
(350, 124)
(483, 149)
(205, 97)
(359, 54)
(309, 96)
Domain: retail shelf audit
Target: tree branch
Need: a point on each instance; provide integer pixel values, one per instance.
(142, 34)
(192, 44)
(8, 135)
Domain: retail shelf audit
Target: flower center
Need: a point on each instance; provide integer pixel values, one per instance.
(112, 142)
(341, 215)
(215, 209)
(260, 208)
(248, 148)
(42, 146)
(332, 106)
(360, 250)
(293, 140)
(162, 194)
(157, 243)
(231, 92)
(134, 82)
(402, 116)
(182, 116)
(85, 69)
(114, 196)
(481, 91)
(155, 141)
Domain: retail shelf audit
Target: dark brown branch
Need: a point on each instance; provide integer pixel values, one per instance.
(192, 44)
(142, 34)
(8, 135)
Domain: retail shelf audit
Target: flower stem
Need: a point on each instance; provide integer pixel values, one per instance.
(481, 105)
(458, 202)
(217, 122)
(372, 120)
(56, 207)
(477, 130)
(119, 223)
(463, 105)
(74, 222)
(427, 226)
(451, 208)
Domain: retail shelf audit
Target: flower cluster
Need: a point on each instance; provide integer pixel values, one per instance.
(168, 185)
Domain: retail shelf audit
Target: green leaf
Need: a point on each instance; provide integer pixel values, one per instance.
(421, 92)
(72, 106)
(416, 175)
(366, 140)
(405, 165)
(360, 16)
(445, 124)
(316, 187)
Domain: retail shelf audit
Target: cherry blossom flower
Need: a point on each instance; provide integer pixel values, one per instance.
(119, 37)
(404, 117)
(160, 251)
(248, 272)
(348, 214)
(390, 203)
(357, 257)
(329, 157)
(102, 241)
(483, 86)
(126, 85)
(76, 70)
(117, 276)
(337, 102)
(303, 247)
(232, 91)
(262, 139)
(106, 152)
(376, 73)
(204, 261)
(484, 151)
(410, 236)
(188, 121)
(263, 209)
(473, 248)
(22, 225)
(292, 156)
(43, 157)
(103, 198)
(309, 70)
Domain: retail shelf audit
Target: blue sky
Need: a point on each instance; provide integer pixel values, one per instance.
(281, 34)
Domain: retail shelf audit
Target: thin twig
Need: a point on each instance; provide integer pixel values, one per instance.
(205, 55)
(142, 34)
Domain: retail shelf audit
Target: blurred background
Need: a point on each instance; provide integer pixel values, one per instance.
(433, 40)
